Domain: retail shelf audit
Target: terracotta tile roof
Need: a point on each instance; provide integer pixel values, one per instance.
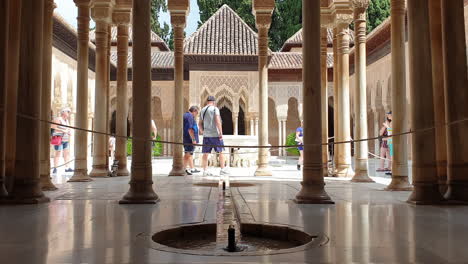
(225, 33)
(291, 60)
(159, 60)
(155, 39)
(296, 40)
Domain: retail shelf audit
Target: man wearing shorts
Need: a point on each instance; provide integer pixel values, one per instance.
(190, 137)
(211, 127)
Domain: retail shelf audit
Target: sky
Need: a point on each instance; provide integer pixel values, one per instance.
(68, 10)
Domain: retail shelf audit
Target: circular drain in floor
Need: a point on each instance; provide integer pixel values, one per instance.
(256, 240)
(231, 184)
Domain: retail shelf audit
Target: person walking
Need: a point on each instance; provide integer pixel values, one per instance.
(389, 141)
(63, 148)
(299, 141)
(190, 137)
(384, 146)
(211, 127)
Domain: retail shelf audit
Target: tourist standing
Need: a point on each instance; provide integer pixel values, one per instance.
(389, 140)
(300, 142)
(212, 129)
(190, 137)
(64, 133)
(384, 146)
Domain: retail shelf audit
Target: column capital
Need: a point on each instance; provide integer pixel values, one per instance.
(178, 20)
(360, 8)
(263, 20)
(342, 20)
(101, 10)
(82, 3)
(398, 7)
(262, 10)
(122, 17)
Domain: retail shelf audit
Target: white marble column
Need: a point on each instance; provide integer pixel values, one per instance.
(344, 168)
(122, 98)
(81, 137)
(46, 94)
(360, 100)
(336, 86)
(263, 11)
(141, 182)
(324, 98)
(285, 135)
(100, 106)
(424, 169)
(235, 121)
(26, 187)
(11, 80)
(178, 21)
(256, 126)
(313, 184)
(399, 110)
(435, 15)
(456, 91)
(4, 16)
(280, 136)
(252, 127)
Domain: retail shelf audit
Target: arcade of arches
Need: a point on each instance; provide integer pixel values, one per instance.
(340, 83)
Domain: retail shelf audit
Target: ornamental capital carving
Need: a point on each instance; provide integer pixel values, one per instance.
(101, 10)
(360, 7)
(82, 3)
(263, 20)
(121, 17)
(343, 19)
(178, 20)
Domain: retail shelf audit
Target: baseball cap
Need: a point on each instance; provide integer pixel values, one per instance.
(211, 98)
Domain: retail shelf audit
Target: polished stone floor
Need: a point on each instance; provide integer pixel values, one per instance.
(85, 224)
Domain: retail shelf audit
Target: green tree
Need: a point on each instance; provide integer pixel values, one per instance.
(164, 31)
(378, 11)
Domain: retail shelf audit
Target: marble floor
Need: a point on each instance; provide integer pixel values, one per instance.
(85, 224)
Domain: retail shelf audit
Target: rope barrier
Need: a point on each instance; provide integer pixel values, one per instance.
(240, 147)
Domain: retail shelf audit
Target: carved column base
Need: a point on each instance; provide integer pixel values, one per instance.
(457, 192)
(313, 193)
(46, 183)
(263, 170)
(80, 176)
(344, 171)
(177, 171)
(26, 192)
(425, 194)
(399, 184)
(123, 171)
(361, 176)
(141, 192)
(99, 171)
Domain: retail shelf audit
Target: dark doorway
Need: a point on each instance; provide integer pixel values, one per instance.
(241, 121)
(226, 117)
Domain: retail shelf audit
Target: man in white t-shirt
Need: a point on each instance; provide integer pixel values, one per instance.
(211, 127)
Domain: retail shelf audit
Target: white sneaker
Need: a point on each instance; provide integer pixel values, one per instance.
(207, 173)
(224, 172)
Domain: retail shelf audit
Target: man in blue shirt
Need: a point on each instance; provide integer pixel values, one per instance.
(190, 137)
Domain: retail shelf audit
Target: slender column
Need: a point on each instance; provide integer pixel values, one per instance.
(46, 93)
(435, 14)
(425, 181)
(12, 80)
(178, 24)
(280, 137)
(252, 126)
(235, 120)
(360, 100)
(456, 96)
(3, 62)
(399, 110)
(313, 184)
(256, 126)
(122, 105)
(108, 114)
(336, 109)
(324, 101)
(26, 188)
(263, 22)
(141, 183)
(344, 168)
(284, 137)
(81, 138)
(100, 121)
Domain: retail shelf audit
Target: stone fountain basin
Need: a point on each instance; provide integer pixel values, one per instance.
(257, 239)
